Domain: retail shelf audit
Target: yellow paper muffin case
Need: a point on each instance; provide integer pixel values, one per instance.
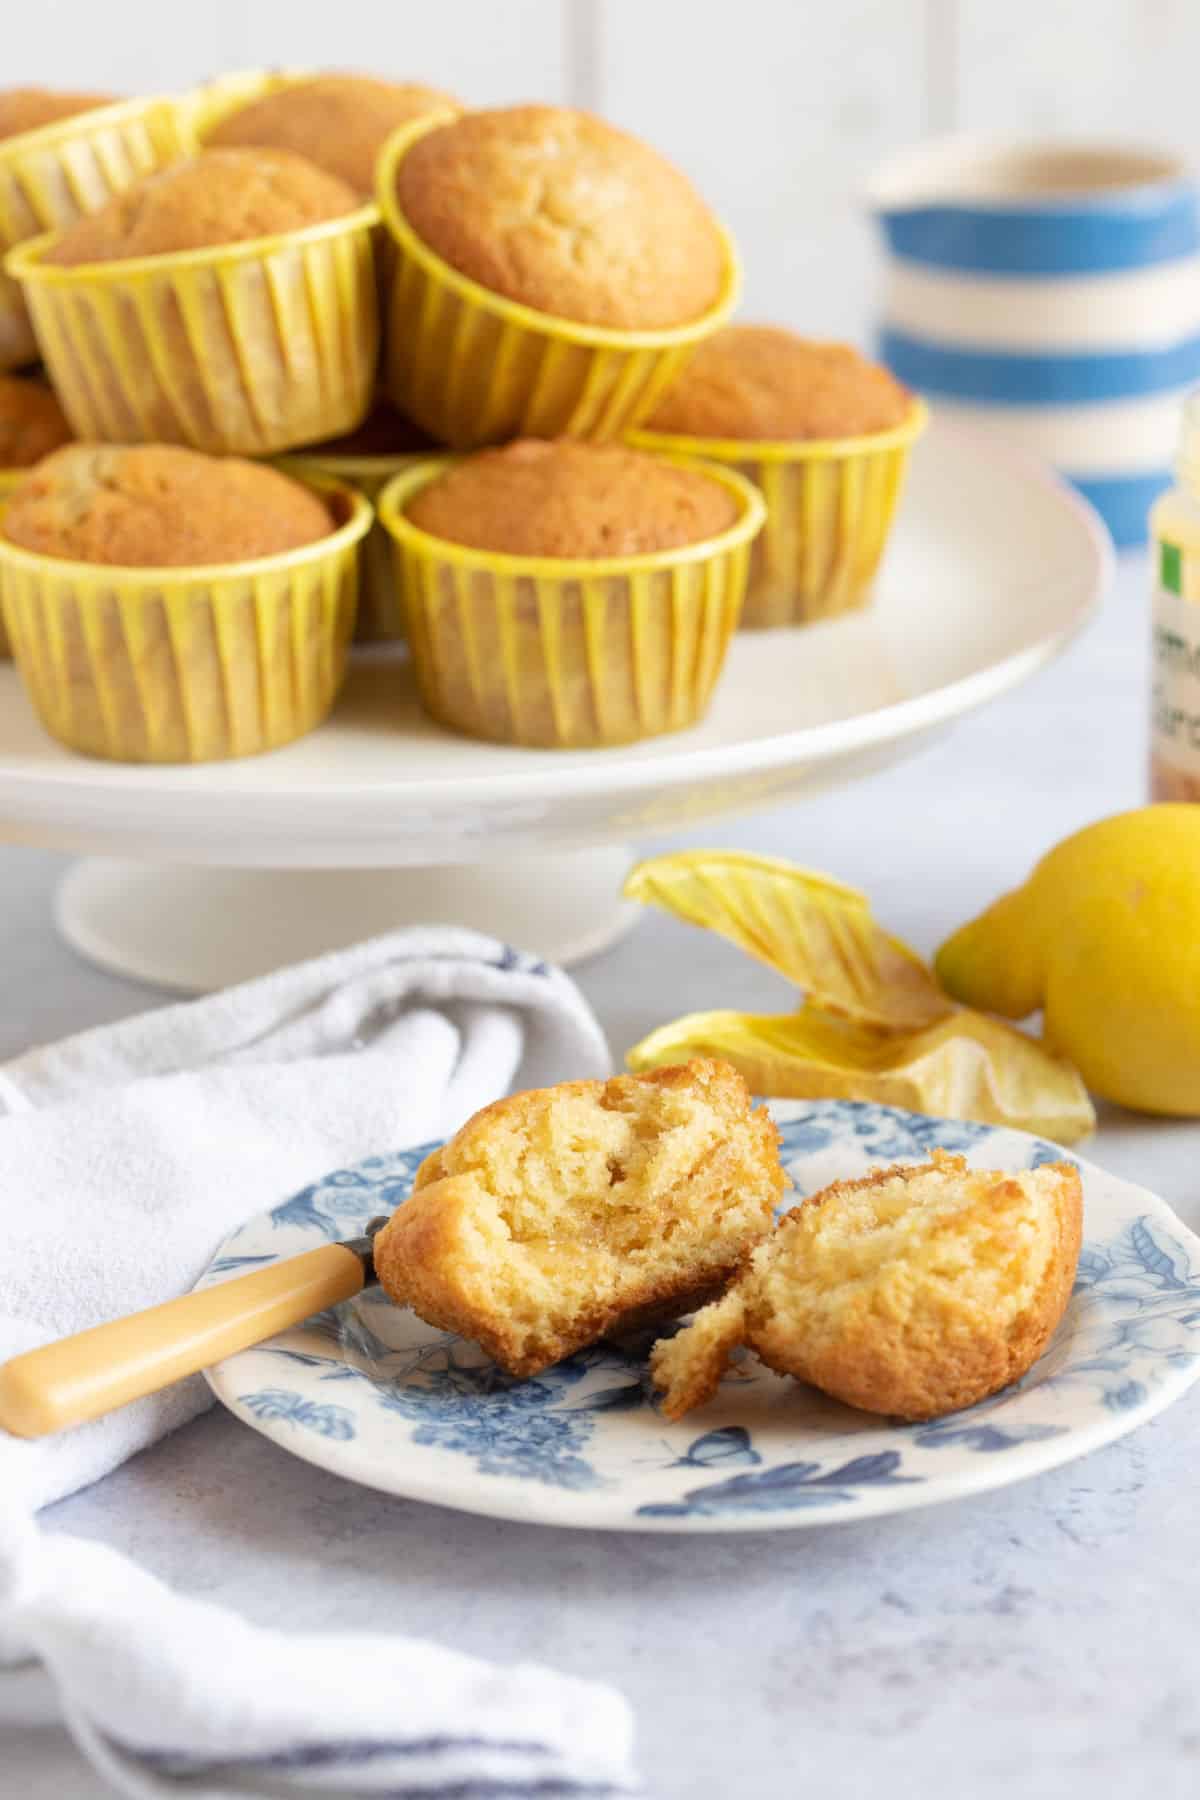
(248, 348)
(567, 654)
(8, 481)
(474, 368)
(49, 177)
(380, 613)
(191, 664)
(830, 505)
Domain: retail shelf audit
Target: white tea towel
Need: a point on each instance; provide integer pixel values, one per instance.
(126, 1155)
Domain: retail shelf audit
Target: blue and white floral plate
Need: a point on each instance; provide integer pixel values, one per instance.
(375, 1395)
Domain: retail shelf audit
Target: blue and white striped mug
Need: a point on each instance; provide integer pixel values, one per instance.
(1054, 291)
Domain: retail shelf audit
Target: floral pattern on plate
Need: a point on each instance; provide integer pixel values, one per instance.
(376, 1395)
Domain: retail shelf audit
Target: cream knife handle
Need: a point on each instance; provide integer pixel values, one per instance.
(80, 1377)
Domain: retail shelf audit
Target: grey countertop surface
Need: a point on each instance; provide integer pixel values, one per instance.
(1032, 1641)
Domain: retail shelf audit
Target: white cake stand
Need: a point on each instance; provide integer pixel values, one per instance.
(194, 877)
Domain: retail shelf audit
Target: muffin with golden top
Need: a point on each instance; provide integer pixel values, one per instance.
(339, 121)
(63, 154)
(552, 274)
(566, 594)
(383, 446)
(227, 302)
(167, 606)
(29, 108)
(913, 1291)
(824, 432)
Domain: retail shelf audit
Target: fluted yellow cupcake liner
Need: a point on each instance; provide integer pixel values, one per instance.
(51, 176)
(380, 611)
(568, 654)
(474, 368)
(248, 348)
(830, 506)
(8, 481)
(190, 664)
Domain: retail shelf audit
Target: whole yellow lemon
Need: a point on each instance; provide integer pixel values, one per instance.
(1105, 938)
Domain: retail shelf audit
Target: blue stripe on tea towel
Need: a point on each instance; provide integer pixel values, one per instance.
(1123, 230)
(1062, 378)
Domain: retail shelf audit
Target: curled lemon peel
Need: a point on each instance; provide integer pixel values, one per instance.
(875, 1026)
(816, 932)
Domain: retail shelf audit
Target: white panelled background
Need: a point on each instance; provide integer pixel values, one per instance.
(778, 108)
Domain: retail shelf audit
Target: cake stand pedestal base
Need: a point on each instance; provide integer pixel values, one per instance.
(196, 929)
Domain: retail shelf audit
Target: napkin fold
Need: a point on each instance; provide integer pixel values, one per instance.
(126, 1155)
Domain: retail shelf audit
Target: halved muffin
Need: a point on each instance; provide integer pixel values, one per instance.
(558, 1216)
(913, 1291)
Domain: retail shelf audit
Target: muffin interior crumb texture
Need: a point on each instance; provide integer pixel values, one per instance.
(339, 121)
(218, 197)
(558, 1215)
(572, 499)
(28, 109)
(32, 422)
(762, 382)
(563, 212)
(155, 506)
(914, 1291)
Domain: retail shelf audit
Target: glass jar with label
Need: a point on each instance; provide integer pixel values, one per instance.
(1175, 647)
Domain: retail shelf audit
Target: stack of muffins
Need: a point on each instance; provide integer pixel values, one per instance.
(209, 280)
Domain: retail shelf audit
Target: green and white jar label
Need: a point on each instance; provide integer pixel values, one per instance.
(1175, 660)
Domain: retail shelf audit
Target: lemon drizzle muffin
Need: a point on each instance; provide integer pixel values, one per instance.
(760, 381)
(166, 606)
(227, 302)
(824, 432)
(573, 500)
(219, 197)
(552, 274)
(914, 1291)
(28, 108)
(155, 506)
(564, 213)
(31, 425)
(32, 422)
(62, 155)
(557, 1216)
(569, 594)
(340, 122)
